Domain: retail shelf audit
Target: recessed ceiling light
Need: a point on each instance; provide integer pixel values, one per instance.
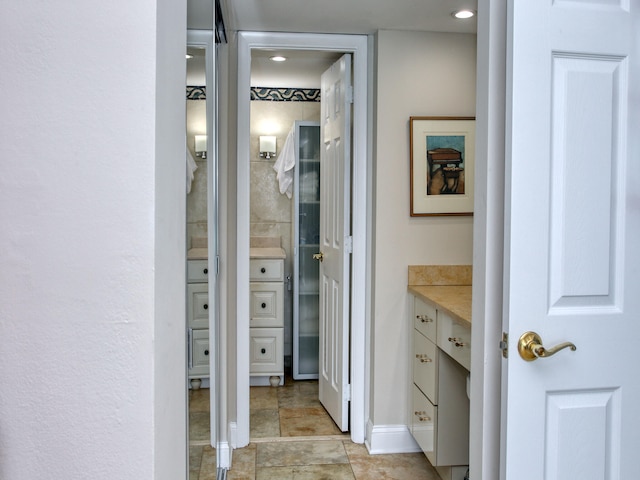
(463, 14)
(278, 58)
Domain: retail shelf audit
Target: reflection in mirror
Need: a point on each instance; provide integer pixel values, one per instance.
(201, 453)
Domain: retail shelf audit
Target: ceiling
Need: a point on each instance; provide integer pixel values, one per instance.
(303, 69)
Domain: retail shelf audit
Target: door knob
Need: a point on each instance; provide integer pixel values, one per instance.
(530, 347)
(318, 256)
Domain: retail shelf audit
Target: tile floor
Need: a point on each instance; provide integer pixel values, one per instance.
(293, 438)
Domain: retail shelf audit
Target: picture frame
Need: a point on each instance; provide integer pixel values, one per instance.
(442, 160)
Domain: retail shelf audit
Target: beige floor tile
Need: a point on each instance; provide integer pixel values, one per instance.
(199, 426)
(298, 396)
(264, 423)
(195, 461)
(306, 472)
(244, 464)
(262, 398)
(282, 454)
(199, 400)
(308, 421)
(414, 466)
(208, 469)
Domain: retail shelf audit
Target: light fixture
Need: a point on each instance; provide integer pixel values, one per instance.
(201, 146)
(188, 56)
(267, 146)
(462, 14)
(278, 58)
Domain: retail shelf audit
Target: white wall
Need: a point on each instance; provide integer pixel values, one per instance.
(418, 74)
(90, 255)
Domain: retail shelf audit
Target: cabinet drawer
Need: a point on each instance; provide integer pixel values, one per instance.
(423, 423)
(424, 319)
(454, 339)
(198, 305)
(197, 271)
(199, 352)
(266, 270)
(266, 307)
(425, 366)
(266, 351)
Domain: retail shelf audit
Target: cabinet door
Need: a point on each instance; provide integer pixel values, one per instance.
(267, 305)
(424, 319)
(423, 423)
(198, 305)
(425, 366)
(266, 351)
(199, 353)
(266, 270)
(455, 339)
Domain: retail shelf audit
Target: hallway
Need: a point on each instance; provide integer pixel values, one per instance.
(292, 437)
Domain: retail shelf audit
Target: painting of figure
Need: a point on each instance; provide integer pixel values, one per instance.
(445, 164)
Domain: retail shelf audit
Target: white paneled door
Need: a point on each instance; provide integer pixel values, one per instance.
(335, 240)
(572, 254)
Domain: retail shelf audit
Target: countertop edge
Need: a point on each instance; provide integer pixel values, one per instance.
(440, 297)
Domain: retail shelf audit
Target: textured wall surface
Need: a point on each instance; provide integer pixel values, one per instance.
(82, 237)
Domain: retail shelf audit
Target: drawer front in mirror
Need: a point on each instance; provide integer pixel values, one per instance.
(197, 271)
(198, 305)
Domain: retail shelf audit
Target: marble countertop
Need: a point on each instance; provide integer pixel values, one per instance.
(453, 299)
(199, 253)
(266, 252)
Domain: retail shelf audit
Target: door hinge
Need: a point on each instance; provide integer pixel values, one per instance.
(349, 94)
(348, 244)
(504, 345)
(346, 393)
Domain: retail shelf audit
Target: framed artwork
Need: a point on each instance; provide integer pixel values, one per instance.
(442, 165)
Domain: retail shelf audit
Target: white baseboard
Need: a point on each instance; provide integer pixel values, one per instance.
(233, 434)
(223, 452)
(390, 439)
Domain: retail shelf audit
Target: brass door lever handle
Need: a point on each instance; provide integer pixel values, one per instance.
(530, 347)
(318, 256)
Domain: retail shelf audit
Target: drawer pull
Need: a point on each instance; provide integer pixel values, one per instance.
(205, 271)
(423, 358)
(264, 305)
(263, 351)
(422, 416)
(424, 318)
(205, 306)
(206, 352)
(263, 270)
(457, 342)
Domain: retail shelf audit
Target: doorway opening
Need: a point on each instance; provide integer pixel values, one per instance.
(249, 43)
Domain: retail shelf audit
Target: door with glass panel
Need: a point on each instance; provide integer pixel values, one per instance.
(306, 237)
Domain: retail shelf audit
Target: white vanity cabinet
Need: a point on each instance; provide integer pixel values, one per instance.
(439, 416)
(198, 320)
(266, 322)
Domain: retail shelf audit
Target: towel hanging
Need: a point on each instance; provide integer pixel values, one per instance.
(284, 165)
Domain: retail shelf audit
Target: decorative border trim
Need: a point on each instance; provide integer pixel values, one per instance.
(390, 439)
(196, 92)
(285, 94)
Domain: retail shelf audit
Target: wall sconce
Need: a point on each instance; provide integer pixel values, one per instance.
(201, 146)
(267, 146)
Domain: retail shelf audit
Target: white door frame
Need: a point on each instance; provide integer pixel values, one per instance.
(488, 241)
(359, 369)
